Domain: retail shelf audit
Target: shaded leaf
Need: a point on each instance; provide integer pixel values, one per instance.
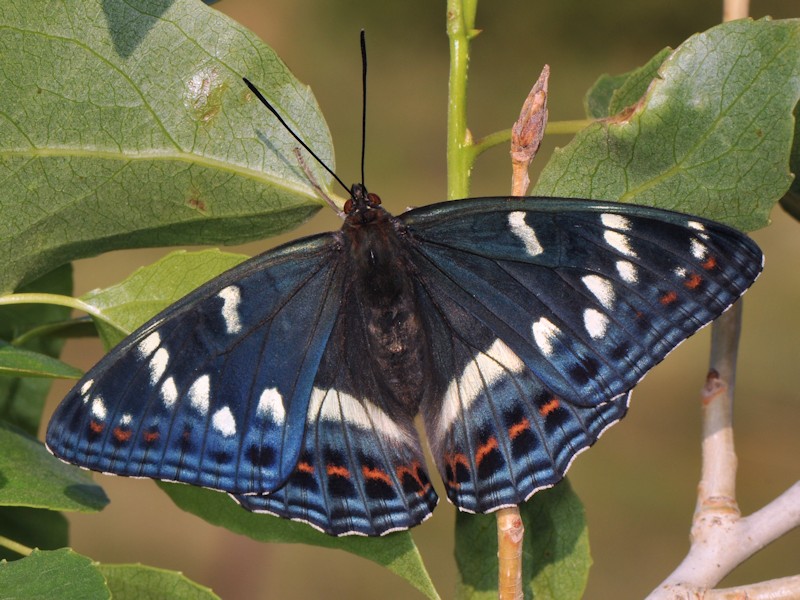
(151, 289)
(396, 551)
(32, 527)
(49, 574)
(18, 362)
(22, 399)
(556, 559)
(140, 582)
(711, 137)
(130, 126)
(791, 201)
(31, 476)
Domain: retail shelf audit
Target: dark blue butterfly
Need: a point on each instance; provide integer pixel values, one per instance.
(515, 326)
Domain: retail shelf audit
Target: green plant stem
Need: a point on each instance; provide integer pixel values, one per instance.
(52, 329)
(15, 546)
(503, 137)
(460, 30)
(462, 151)
(57, 300)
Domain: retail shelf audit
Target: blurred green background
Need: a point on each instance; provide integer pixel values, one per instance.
(638, 483)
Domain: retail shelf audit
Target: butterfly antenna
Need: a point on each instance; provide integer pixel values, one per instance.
(272, 109)
(363, 102)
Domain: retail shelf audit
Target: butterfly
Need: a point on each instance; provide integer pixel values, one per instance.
(516, 328)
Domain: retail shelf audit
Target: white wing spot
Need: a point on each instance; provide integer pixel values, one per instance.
(601, 288)
(224, 422)
(169, 392)
(231, 297)
(525, 233)
(149, 344)
(696, 225)
(596, 323)
(698, 250)
(627, 271)
(199, 393)
(482, 371)
(615, 221)
(158, 364)
(99, 408)
(332, 405)
(271, 403)
(680, 272)
(620, 242)
(126, 419)
(544, 332)
(87, 386)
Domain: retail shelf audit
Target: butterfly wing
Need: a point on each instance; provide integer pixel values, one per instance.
(361, 470)
(213, 391)
(553, 310)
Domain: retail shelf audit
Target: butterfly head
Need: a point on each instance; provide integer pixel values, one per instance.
(363, 207)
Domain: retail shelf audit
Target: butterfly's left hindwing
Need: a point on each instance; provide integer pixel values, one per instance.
(214, 391)
(552, 311)
(361, 470)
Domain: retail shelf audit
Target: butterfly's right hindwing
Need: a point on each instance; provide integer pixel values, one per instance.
(213, 391)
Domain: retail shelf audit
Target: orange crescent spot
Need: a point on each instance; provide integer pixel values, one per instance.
(122, 435)
(693, 281)
(376, 474)
(452, 461)
(305, 467)
(484, 449)
(668, 298)
(96, 427)
(337, 471)
(413, 472)
(518, 428)
(150, 436)
(550, 406)
(710, 263)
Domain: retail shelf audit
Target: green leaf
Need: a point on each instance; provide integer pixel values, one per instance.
(151, 289)
(397, 551)
(17, 362)
(611, 94)
(22, 399)
(139, 582)
(555, 560)
(127, 124)
(48, 574)
(32, 527)
(711, 137)
(31, 476)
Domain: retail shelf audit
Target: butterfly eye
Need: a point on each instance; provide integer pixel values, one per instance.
(348, 206)
(374, 198)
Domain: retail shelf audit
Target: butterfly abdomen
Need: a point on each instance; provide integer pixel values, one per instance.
(382, 292)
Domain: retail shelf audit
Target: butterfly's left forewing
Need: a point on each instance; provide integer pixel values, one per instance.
(553, 310)
(213, 391)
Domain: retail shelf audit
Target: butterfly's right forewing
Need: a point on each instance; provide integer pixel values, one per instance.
(213, 391)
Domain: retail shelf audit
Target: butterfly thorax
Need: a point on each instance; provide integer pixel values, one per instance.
(383, 295)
